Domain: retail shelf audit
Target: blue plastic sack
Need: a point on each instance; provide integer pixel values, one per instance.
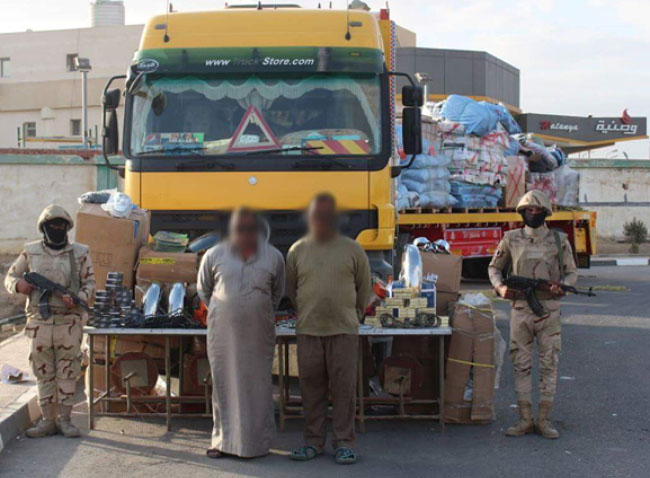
(558, 154)
(504, 117)
(476, 118)
(474, 195)
(437, 199)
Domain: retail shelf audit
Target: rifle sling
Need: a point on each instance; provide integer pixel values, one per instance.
(560, 255)
(74, 273)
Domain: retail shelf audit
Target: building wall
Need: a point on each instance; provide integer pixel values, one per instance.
(29, 183)
(40, 78)
(470, 73)
(618, 190)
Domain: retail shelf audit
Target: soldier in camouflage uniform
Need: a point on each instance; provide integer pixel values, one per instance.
(55, 342)
(537, 252)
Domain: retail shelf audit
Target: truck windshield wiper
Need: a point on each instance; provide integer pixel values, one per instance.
(193, 151)
(205, 164)
(319, 163)
(282, 150)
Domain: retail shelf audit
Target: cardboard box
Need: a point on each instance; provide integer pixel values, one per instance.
(394, 302)
(448, 268)
(404, 312)
(114, 243)
(471, 351)
(418, 302)
(445, 301)
(167, 267)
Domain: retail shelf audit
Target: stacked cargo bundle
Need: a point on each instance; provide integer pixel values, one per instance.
(548, 171)
(425, 183)
(475, 137)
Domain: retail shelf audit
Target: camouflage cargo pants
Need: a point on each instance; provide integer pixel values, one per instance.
(525, 329)
(55, 357)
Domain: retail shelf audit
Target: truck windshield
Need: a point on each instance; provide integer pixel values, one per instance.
(318, 114)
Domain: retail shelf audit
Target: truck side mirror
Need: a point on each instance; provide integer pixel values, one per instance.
(110, 134)
(412, 95)
(412, 130)
(111, 99)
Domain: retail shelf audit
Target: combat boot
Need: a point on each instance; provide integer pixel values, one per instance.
(525, 425)
(46, 426)
(64, 424)
(544, 425)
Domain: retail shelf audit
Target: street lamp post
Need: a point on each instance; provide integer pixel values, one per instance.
(83, 65)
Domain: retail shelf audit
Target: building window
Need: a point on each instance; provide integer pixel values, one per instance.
(29, 129)
(70, 61)
(5, 67)
(75, 127)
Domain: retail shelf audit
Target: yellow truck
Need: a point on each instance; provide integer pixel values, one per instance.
(267, 106)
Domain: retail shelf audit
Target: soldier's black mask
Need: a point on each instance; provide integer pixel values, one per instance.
(55, 233)
(533, 220)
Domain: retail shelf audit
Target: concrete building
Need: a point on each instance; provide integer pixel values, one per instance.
(40, 93)
(471, 73)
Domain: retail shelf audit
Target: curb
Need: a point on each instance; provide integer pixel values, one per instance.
(622, 261)
(18, 416)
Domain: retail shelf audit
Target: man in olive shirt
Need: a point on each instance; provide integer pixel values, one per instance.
(328, 279)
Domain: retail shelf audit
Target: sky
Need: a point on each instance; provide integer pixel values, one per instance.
(576, 57)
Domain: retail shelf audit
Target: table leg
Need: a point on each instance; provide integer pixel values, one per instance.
(91, 382)
(180, 372)
(168, 393)
(281, 382)
(441, 383)
(362, 422)
(107, 371)
(286, 372)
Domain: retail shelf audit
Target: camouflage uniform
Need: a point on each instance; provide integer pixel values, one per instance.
(55, 343)
(533, 253)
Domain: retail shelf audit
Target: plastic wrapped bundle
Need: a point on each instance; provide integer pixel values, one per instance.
(558, 154)
(504, 117)
(540, 160)
(476, 118)
(437, 199)
(544, 182)
(474, 195)
(567, 182)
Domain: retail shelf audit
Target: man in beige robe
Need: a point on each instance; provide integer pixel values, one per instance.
(241, 281)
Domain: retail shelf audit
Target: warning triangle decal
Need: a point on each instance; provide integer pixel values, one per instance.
(253, 133)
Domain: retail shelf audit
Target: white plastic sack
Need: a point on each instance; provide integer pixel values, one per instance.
(118, 205)
(567, 183)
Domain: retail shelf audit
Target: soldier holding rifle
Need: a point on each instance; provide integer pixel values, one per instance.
(535, 252)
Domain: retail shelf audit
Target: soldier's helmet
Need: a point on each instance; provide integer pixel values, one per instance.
(54, 212)
(537, 199)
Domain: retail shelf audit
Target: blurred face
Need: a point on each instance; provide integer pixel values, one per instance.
(243, 232)
(322, 219)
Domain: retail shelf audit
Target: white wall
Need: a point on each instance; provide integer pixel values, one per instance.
(26, 189)
(618, 194)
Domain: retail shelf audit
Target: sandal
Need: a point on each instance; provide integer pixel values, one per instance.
(214, 453)
(305, 453)
(345, 456)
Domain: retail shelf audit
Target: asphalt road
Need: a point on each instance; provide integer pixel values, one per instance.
(601, 411)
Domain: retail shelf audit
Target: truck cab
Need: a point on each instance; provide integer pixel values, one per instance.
(263, 107)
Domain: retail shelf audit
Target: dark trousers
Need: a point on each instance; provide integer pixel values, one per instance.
(328, 364)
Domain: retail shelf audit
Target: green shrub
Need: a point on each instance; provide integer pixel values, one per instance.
(636, 232)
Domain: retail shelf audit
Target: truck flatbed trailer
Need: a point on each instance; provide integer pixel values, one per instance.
(475, 233)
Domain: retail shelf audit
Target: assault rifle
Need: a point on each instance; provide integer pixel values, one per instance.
(523, 286)
(47, 288)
